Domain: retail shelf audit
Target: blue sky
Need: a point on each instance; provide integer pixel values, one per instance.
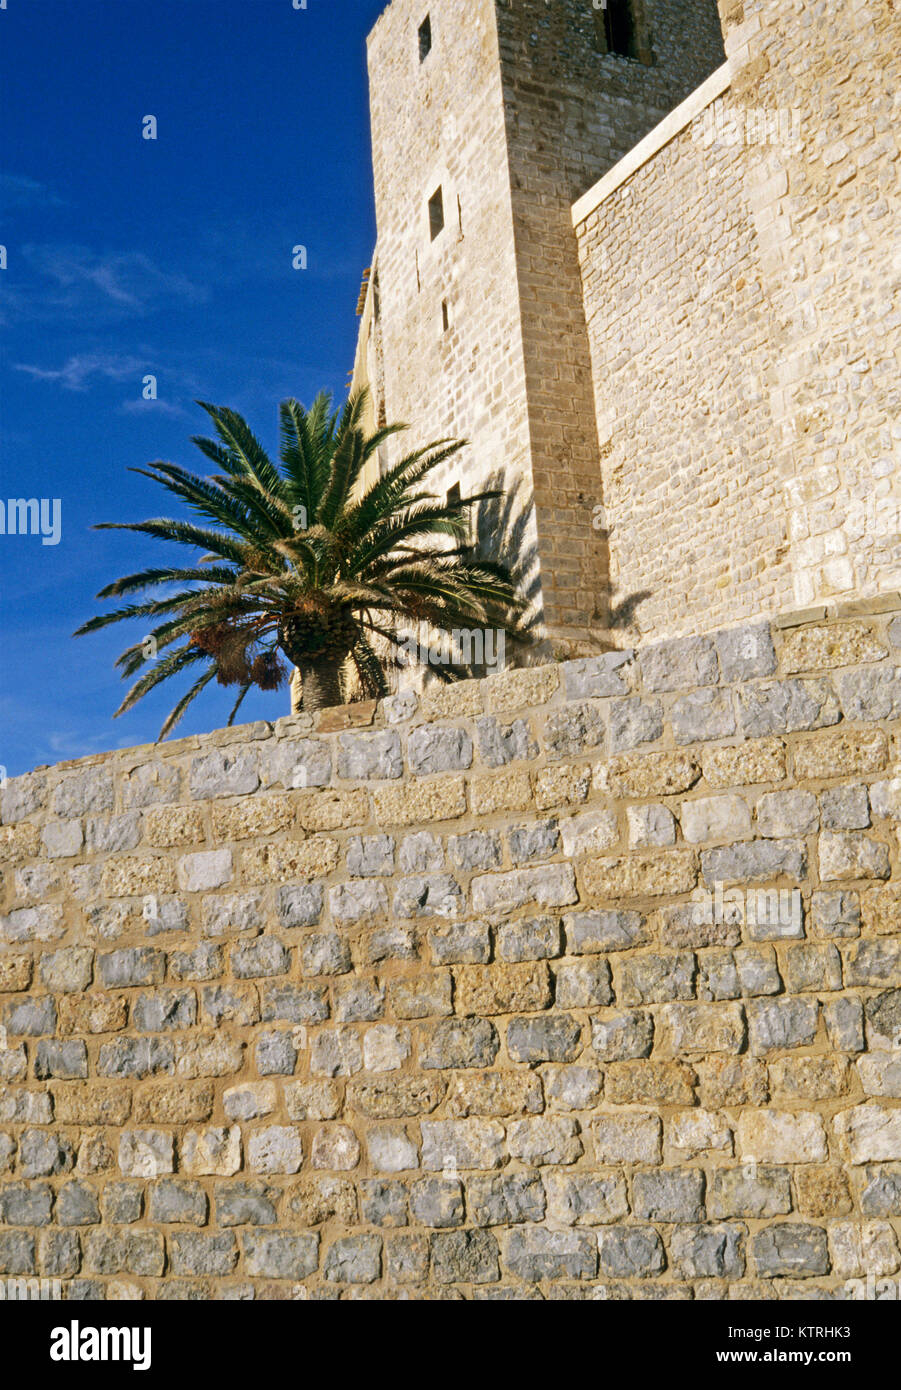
(128, 257)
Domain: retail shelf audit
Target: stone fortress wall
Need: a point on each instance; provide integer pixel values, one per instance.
(741, 277)
(676, 335)
(579, 981)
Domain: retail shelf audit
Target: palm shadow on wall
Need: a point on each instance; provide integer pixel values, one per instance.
(505, 531)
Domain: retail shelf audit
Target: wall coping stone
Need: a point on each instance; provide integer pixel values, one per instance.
(671, 126)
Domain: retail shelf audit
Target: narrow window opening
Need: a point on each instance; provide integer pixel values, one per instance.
(454, 494)
(616, 28)
(418, 280)
(445, 316)
(436, 213)
(425, 39)
(460, 215)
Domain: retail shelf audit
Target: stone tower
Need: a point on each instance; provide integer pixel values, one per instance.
(489, 118)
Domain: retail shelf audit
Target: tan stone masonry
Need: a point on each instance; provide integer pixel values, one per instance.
(582, 981)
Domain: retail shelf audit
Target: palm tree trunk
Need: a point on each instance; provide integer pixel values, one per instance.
(321, 683)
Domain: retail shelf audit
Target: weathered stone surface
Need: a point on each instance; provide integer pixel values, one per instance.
(434, 748)
(459, 943)
(395, 1097)
(369, 756)
(428, 895)
(634, 721)
(705, 1028)
(605, 675)
(391, 1150)
(146, 1153)
(552, 1038)
(500, 744)
(139, 965)
(427, 996)
(572, 1087)
(784, 707)
(469, 1257)
(745, 652)
(871, 1132)
(275, 1149)
(495, 1093)
(769, 1136)
(573, 730)
(823, 1191)
(212, 1151)
(751, 861)
(782, 1023)
(873, 692)
(679, 664)
(649, 825)
(358, 901)
(845, 808)
(835, 912)
(618, 1037)
(336, 1148)
(279, 1255)
(653, 978)
(470, 1143)
(529, 938)
(644, 775)
(786, 813)
(790, 1249)
(852, 855)
(554, 786)
(534, 1253)
(703, 715)
(643, 874)
(501, 989)
(358, 1000)
(583, 984)
(586, 1199)
(370, 855)
(437, 1202)
(224, 773)
(745, 763)
(845, 1024)
(552, 885)
(425, 802)
(629, 1137)
(808, 1078)
(459, 1042)
(628, 1252)
(383, 1202)
(848, 753)
(649, 1082)
(669, 1195)
(691, 1133)
(752, 1191)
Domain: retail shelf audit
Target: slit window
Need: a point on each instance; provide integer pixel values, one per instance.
(425, 39)
(436, 213)
(617, 29)
(445, 316)
(453, 497)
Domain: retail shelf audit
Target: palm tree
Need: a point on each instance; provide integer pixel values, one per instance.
(305, 560)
